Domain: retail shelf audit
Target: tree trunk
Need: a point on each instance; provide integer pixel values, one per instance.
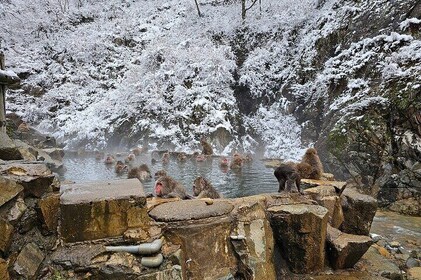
(2, 99)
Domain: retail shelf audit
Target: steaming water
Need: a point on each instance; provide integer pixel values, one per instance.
(253, 178)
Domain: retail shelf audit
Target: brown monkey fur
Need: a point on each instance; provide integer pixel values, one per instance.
(236, 162)
(181, 157)
(160, 173)
(311, 158)
(120, 167)
(202, 188)
(207, 148)
(288, 176)
(142, 173)
(167, 187)
(165, 158)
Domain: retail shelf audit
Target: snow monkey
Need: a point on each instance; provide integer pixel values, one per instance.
(160, 173)
(182, 157)
(165, 158)
(142, 173)
(167, 187)
(237, 161)
(207, 148)
(288, 176)
(202, 188)
(120, 167)
(311, 158)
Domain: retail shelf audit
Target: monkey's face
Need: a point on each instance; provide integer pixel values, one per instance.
(159, 188)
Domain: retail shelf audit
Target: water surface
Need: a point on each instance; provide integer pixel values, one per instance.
(253, 178)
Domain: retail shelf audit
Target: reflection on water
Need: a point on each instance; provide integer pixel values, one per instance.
(253, 178)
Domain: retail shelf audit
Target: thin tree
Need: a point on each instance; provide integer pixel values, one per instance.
(197, 7)
(244, 9)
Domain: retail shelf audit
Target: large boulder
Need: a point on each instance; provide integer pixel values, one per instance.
(344, 250)
(28, 262)
(101, 209)
(327, 197)
(8, 190)
(8, 150)
(359, 211)
(50, 209)
(256, 251)
(36, 178)
(203, 233)
(300, 230)
(6, 234)
(4, 273)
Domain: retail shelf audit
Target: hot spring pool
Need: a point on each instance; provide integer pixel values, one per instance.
(253, 178)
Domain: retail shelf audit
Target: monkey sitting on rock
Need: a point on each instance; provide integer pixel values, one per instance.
(167, 187)
(311, 158)
(202, 188)
(289, 174)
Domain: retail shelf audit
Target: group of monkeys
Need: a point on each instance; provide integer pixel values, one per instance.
(288, 174)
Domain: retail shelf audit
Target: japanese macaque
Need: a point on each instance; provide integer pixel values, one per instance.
(137, 151)
(167, 187)
(109, 159)
(99, 155)
(200, 158)
(223, 162)
(182, 157)
(288, 177)
(142, 173)
(311, 158)
(165, 158)
(202, 188)
(130, 158)
(120, 167)
(160, 173)
(207, 148)
(236, 162)
(23, 127)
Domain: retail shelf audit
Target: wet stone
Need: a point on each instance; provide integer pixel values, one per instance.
(101, 209)
(344, 250)
(8, 190)
(50, 206)
(36, 178)
(301, 233)
(190, 210)
(6, 233)
(359, 211)
(17, 211)
(28, 261)
(4, 274)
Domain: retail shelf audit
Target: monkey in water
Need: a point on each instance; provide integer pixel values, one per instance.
(237, 161)
(182, 157)
(120, 167)
(167, 187)
(202, 188)
(142, 173)
(160, 173)
(288, 176)
(207, 148)
(312, 159)
(165, 158)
